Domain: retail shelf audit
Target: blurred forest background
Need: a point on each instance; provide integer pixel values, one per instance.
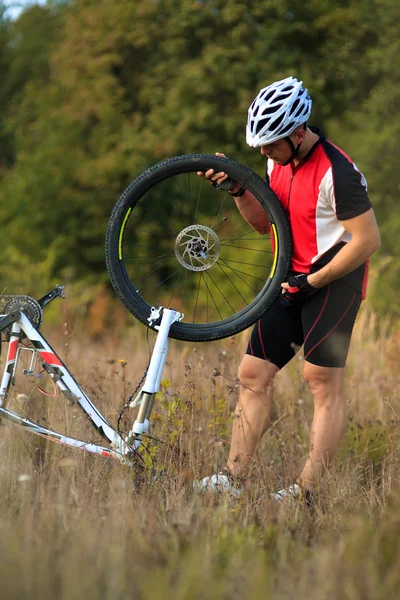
(95, 91)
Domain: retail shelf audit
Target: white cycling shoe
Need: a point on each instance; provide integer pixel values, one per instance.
(290, 493)
(295, 492)
(217, 484)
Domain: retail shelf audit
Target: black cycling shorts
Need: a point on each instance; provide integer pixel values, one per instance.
(322, 322)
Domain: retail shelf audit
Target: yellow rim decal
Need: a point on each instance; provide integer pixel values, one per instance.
(121, 233)
(276, 251)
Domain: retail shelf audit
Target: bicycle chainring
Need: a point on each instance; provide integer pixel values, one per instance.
(30, 307)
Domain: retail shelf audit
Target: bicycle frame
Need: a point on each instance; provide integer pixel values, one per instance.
(118, 448)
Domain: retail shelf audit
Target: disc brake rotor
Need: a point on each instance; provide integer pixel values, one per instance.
(197, 247)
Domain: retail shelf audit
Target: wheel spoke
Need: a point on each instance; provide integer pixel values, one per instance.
(222, 294)
(242, 279)
(212, 297)
(197, 297)
(236, 212)
(227, 276)
(225, 219)
(175, 285)
(246, 248)
(239, 227)
(261, 237)
(240, 262)
(244, 273)
(134, 283)
(190, 199)
(198, 200)
(169, 253)
(161, 283)
(222, 210)
(183, 292)
(168, 192)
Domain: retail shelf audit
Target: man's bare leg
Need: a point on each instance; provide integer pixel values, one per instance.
(329, 423)
(253, 411)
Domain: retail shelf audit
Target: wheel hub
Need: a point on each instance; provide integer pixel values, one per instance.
(197, 247)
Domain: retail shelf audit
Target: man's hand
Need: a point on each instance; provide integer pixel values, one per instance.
(298, 282)
(216, 179)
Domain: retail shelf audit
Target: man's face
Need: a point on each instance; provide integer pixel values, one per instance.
(280, 151)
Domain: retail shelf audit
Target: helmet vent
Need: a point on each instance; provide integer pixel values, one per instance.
(281, 97)
(269, 95)
(270, 110)
(299, 111)
(294, 106)
(276, 123)
(287, 127)
(261, 124)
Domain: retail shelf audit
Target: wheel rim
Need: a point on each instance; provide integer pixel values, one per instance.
(197, 256)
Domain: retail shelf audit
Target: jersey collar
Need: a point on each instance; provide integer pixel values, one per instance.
(318, 131)
(320, 139)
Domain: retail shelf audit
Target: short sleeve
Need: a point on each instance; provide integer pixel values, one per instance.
(347, 191)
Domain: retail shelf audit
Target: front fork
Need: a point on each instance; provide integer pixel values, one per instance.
(145, 398)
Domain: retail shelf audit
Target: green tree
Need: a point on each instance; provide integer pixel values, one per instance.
(98, 91)
(6, 150)
(372, 126)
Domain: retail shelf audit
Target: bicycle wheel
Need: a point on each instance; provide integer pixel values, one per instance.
(173, 240)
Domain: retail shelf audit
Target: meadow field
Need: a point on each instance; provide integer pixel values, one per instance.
(77, 526)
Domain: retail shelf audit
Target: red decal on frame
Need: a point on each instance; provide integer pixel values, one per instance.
(12, 350)
(50, 358)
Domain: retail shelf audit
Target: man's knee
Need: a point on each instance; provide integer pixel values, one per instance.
(324, 382)
(256, 373)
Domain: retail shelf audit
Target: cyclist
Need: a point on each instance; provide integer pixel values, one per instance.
(334, 233)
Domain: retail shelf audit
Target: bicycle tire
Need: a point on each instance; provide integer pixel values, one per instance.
(146, 183)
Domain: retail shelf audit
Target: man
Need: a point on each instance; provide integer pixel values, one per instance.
(334, 233)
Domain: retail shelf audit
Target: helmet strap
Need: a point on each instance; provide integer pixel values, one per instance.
(295, 151)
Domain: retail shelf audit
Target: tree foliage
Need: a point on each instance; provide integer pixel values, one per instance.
(94, 91)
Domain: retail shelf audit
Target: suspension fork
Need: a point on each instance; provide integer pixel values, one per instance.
(145, 398)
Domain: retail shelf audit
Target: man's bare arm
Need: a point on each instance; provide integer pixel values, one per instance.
(252, 211)
(365, 240)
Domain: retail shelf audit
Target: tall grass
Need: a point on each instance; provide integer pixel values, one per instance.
(77, 526)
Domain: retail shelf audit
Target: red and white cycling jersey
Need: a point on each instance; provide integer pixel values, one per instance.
(324, 189)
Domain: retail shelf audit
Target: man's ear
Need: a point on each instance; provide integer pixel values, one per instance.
(299, 133)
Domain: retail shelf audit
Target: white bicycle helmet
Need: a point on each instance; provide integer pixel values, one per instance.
(277, 111)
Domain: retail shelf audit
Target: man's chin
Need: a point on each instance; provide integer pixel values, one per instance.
(277, 161)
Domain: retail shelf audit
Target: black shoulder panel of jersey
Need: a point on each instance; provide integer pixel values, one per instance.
(350, 193)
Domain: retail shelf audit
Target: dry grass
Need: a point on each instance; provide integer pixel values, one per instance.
(76, 526)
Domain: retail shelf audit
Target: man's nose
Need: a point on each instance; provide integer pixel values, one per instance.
(264, 149)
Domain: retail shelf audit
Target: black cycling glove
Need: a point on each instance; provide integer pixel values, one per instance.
(226, 186)
(299, 281)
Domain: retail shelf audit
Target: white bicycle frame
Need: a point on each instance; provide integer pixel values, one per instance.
(118, 448)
